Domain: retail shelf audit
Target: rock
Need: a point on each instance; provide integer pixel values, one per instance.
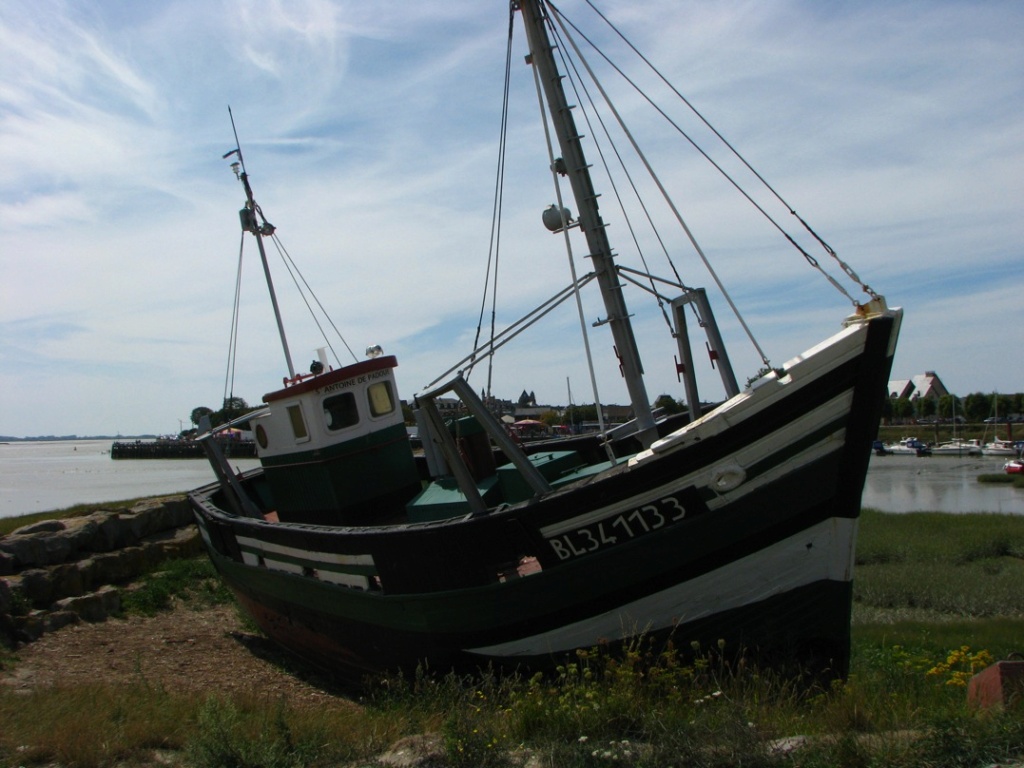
(43, 526)
(117, 566)
(81, 534)
(6, 598)
(46, 548)
(29, 628)
(414, 752)
(36, 586)
(54, 620)
(70, 565)
(66, 580)
(109, 535)
(92, 607)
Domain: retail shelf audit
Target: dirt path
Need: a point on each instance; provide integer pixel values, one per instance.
(206, 650)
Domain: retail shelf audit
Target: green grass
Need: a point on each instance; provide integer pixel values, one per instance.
(937, 597)
(193, 581)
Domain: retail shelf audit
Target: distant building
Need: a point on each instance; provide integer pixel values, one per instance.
(924, 386)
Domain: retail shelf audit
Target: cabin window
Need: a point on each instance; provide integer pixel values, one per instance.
(340, 411)
(298, 423)
(382, 402)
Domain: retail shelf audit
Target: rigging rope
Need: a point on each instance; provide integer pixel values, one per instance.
(495, 239)
(294, 270)
(810, 259)
(229, 374)
(664, 192)
(520, 325)
(578, 83)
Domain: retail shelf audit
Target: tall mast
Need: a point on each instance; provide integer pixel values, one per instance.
(578, 172)
(250, 224)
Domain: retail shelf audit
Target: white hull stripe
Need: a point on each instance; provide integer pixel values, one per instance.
(265, 549)
(822, 552)
(746, 457)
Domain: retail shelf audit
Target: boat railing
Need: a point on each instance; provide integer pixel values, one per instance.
(442, 450)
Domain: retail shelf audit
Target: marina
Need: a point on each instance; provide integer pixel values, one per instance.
(39, 476)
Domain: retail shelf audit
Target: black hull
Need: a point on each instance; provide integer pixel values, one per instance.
(739, 528)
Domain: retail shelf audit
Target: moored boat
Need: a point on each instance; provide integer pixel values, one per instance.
(1000, 447)
(909, 446)
(735, 524)
(957, 447)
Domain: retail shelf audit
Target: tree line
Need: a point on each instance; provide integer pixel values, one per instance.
(972, 408)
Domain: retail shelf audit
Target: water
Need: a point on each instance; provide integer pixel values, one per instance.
(939, 484)
(40, 476)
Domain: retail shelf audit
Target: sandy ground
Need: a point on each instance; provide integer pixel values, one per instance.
(205, 650)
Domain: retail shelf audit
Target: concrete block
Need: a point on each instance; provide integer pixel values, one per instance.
(998, 685)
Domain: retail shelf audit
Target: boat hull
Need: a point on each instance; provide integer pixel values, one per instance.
(739, 528)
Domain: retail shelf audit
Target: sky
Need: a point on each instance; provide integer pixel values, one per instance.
(370, 135)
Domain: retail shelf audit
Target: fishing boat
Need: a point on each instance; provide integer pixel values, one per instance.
(733, 525)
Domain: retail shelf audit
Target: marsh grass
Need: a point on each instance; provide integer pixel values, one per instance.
(937, 599)
(1017, 481)
(938, 567)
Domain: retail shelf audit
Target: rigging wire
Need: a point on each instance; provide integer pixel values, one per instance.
(494, 246)
(578, 84)
(520, 325)
(290, 265)
(808, 257)
(229, 374)
(665, 195)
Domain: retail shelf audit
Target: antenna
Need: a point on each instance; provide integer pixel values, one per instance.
(249, 224)
(238, 166)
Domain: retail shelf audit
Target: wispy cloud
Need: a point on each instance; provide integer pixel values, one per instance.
(370, 131)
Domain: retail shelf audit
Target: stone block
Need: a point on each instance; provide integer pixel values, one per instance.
(109, 534)
(55, 620)
(118, 566)
(43, 526)
(66, 580)
(29, 628)
(36, 586)
(94, 607)
(6, 598)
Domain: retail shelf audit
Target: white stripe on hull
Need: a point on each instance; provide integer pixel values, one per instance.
(261, 547)
(746, 457)
(822, 552)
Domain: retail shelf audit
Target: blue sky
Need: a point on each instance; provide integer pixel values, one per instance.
(369, 132)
